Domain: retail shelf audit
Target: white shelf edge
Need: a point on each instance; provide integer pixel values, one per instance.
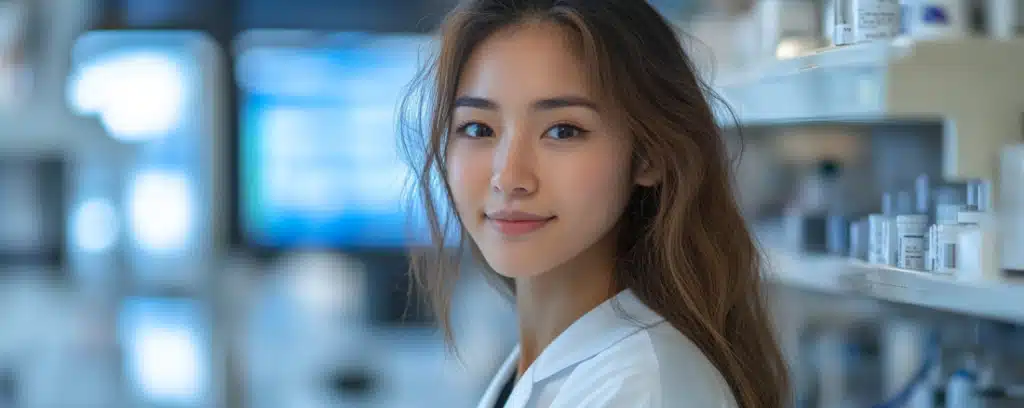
(997, 300)
(978, 99)
(876, 81)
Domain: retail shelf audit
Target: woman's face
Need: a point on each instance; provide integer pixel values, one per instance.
(539, 171)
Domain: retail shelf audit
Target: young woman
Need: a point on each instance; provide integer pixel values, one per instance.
(585, 168)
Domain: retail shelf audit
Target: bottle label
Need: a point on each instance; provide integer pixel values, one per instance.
(888, 249)
(946, 258)
(876, 239)
(843, 34)
(877, 19)
(911, 253)
(949, 256)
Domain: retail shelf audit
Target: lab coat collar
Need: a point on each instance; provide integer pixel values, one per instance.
(594, 332)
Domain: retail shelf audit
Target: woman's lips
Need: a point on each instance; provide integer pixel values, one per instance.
(518, 227)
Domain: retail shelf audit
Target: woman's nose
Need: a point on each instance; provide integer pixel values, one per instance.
(513, 173)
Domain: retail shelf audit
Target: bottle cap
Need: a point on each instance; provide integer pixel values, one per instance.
(978, 195)
(888, 203)
(922, 194)
(951, 193)
(946, 214)
(912, 219)
(904, 202)
(970, 217)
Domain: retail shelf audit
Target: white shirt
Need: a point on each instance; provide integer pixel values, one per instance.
(607, 359)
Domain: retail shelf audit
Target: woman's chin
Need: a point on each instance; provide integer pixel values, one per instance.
(527, 258)
(517, 271)
(516, 267)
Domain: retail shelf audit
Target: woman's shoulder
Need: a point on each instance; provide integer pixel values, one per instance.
(657, 364)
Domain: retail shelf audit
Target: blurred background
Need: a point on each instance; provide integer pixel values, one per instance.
(201, 202)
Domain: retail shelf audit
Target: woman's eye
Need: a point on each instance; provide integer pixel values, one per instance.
(559, 132)
(476, 130)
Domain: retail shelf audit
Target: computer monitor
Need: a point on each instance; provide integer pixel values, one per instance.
(318, 150)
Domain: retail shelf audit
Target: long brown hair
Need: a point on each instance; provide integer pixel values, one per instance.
(685, 250)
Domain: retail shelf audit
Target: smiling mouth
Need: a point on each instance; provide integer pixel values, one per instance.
(512, 227)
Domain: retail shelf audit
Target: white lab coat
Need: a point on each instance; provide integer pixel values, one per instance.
(610, 360)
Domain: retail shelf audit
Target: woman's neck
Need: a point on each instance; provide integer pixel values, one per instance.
(549, 303)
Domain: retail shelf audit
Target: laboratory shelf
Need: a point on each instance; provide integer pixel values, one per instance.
(1001, 300)
(972, 86)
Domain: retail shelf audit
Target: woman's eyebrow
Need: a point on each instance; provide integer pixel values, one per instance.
(557, 102)
(565, 102)
(475, 102)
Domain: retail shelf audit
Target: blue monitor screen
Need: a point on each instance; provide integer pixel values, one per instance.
(319, 154)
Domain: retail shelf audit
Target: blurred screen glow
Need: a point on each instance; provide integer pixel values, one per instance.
(319, 156)
(163, 341)
(138, 95)
(95, 225)
(161, 210)
(169, 366)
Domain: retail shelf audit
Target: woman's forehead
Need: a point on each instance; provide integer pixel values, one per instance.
(527, 61)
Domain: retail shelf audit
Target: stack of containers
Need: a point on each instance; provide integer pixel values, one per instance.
(946, 230)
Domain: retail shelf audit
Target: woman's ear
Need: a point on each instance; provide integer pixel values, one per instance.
(646, 174)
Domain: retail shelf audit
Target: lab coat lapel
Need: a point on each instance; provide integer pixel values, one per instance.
(594, 332)
(597, 330)
(507, 370)
(523, 390)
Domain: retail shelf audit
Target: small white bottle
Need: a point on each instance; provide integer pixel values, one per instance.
(929, 253)
(922, 205)
(950, 199)
(946, 232)
(903, 205)
(972, 215)
(842, 22)
(911, 231)
(879, 235)
(976, 240)
(978, 197)
(858, 240)
(977, 253)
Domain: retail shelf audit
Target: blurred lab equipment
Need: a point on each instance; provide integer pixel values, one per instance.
(318, 150)
(157, 91)
(167, 354)
(812, 224)
(32, 211)
(102, 239)
(51, 335)
(324, 193)
(896, 204)
(314, 335)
